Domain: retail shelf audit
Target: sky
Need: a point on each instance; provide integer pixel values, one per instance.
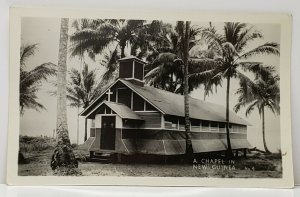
(45, 32)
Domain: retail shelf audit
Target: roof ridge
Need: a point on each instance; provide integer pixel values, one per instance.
(169, 92)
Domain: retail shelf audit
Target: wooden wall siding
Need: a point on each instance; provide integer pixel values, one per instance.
(152, 134)
(138, 70)
(92, 132)
(151, 119)
(93, 123)
(175, 123)
(174, 135)
(126, 69)
(132, 124)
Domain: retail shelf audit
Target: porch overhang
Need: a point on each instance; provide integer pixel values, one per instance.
(120, 109)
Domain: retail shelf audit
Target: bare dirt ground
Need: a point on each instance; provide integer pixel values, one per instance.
(254, 166)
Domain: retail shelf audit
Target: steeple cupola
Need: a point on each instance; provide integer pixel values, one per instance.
(132, 69)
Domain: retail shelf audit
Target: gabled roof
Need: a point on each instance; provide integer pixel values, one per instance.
(122, 110)
(173, 104)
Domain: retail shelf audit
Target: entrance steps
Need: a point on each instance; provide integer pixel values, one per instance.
(101, 157)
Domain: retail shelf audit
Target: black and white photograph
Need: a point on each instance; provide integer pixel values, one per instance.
(134, 97)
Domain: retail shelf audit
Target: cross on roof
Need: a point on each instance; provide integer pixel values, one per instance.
(109, 93)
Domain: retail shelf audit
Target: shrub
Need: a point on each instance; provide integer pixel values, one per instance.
(29, 144)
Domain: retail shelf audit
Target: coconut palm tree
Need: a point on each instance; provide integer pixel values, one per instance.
(262, 93)
(63, 159)
(95, 38)
(230, 47)
(30, 80)
(164, 70)
(186, 36)
(82, 89)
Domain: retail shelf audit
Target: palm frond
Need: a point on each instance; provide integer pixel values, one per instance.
(111, 64)
(26, 51)
(247, 36)
(270, 48)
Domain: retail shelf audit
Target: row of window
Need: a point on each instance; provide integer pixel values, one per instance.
(202, 125)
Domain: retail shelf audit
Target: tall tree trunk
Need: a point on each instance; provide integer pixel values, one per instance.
(229, 149)
(63, 158)
(78, 124)
(189, 149)
(263, 130)
(85, 129)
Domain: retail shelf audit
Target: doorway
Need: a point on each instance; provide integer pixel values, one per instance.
(108, 133)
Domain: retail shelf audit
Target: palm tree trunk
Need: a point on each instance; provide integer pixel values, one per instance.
(189, 149)
(85, 129)
(263, 130)
(63, 159)
(77, 125)
(229, 149)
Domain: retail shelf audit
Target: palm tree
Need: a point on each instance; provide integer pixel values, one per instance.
(186, 36)
(82, 90)
(63, 158)
(30, 80)
(261, 93)
(164, 71)
(230, 48)
(95, 36)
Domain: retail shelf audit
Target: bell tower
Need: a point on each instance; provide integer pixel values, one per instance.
(132, 69)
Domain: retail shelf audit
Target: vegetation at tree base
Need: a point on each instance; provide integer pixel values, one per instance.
(30, 80)
(262, 93)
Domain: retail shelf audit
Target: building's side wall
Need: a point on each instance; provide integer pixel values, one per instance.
(151, 119)
(177, 123)
(168, 142)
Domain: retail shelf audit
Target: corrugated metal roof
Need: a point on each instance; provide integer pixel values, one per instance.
(123, 111)
(173, 104)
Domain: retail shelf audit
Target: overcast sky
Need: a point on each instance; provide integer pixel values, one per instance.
(45, 32)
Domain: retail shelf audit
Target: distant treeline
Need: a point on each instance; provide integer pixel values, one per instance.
(29, 144)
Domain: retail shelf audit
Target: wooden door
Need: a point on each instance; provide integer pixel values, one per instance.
(108, 133)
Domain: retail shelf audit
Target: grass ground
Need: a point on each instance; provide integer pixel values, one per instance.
(256, 165)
